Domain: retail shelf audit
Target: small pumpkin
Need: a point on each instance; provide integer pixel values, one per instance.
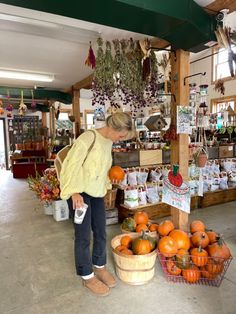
(199, 256)
(141, 227)
(141, 217)
(141, 245)
(167, 246)
(116, 173)
(127, 251)
(191, 274)
(126, 241)
(120, 248)
(175, 177)
(165, 227)
(197, 225)
(214, 267)
(153, 242)
(153, 227)
(182, 259)
(219, 250)
(206, 274)
(181, 238)
(200, 238)
(172, 268)
(212, 235)
(129, 224)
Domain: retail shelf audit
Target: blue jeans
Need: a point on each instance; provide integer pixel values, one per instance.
(95, 220)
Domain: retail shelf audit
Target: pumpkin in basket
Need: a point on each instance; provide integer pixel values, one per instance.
(219, 250)
(199, 256)
(182, 259)
(197, 225)
(126, 241)
(141, 227)
(128, 224)
(165, 227)
(181, 238)
(172, 268)
(191, 274)
(141, 217)
(141, 245)
(167, 246)
(116, 173)
(207, 274)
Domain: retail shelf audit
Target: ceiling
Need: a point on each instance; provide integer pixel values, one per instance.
(42, 42)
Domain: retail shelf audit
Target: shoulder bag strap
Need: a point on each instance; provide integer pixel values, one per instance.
(91, 146)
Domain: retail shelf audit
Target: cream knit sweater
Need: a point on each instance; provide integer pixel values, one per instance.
(92, 176)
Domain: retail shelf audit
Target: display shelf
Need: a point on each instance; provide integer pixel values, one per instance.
(217, 197)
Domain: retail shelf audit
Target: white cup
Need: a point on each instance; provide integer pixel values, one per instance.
(80, 213)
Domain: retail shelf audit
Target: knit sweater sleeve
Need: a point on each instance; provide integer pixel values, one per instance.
(72, 177)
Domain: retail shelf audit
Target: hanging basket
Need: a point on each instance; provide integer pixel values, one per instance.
(201, 157)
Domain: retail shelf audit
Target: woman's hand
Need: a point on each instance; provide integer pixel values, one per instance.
(77, 200)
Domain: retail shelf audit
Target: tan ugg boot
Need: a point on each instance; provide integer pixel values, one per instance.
(103, 275)
(96, 286)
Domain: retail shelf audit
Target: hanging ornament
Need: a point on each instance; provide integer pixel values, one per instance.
(58, 112)
(91, 60)
(33, 103)
(22, 108)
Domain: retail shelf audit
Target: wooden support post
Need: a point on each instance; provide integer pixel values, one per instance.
(179, 148)
(76, 111)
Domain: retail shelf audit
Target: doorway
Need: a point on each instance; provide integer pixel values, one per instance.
(3, 150)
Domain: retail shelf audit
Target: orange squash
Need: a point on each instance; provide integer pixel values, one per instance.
(126, 241)
(181, 238)
(165, 227)
(153, 227)
(167, 246)
(141, 227)
(120, 248)
(197, 225)
(141, 217)
(126, 251)
(200, 238)
(116, 173)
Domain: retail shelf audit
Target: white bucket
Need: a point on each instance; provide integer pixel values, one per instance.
(48, 209)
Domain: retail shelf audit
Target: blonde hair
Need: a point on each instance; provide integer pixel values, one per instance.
(120, 121)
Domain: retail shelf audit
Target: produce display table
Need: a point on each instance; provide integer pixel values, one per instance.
(217, 197)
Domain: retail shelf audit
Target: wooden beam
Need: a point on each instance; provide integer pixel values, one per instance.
(218, 5)
(85, 83)
(76, 111)
(180, 67)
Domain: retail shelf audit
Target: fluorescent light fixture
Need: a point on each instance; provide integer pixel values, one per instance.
(29, 76)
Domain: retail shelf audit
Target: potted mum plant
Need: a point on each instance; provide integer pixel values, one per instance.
(200, 157)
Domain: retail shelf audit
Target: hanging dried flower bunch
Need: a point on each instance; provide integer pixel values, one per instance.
(118, 76)
(219, 86)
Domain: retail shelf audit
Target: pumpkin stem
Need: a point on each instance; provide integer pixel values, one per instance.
(200, 248)
(175, 170)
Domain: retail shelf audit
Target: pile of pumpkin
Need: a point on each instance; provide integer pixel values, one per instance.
(200, 255)
(138, 223)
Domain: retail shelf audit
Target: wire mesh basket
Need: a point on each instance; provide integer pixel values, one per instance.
(110, 199)
(218, 267)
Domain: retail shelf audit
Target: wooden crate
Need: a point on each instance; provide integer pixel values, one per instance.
(217, 197)
(150, 157)
(126, 159)
(213, 152)
(153, 210)
(226, 151)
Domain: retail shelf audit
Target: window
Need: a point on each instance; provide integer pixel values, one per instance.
(220, 64)
(223, 103)
(89, 119)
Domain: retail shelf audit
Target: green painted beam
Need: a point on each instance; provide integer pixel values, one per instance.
(159, 18)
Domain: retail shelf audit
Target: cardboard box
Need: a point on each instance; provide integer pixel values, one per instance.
(150, 157)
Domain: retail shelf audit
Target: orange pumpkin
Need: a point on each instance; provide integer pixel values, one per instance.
(126, 251)
(181, 238)
(200, 238)
(197, 225)
(141, 217)
(167, 246)
(141, 227)
(199, 256)
(214, 267)
(191, 274)
(153, 227)
(141, 245)
(219, 250)
(206, 274)
(172, 268)
(116, 173)
(126, 241)
(165, 227)
(120, 247)
(212, 235)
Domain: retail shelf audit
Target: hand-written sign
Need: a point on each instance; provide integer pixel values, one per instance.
(178, 197)
(184, 120)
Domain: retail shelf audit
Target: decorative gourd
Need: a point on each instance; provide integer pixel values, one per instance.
(129, 224)
(126, 241)
(165, 227)
(219, 250)
(199, 256)
(200, 238)
(141, 217)
(141, 227)
(175, 177)
(167, 246)
(172, 268)
(182, 259)
(141, 245)
(197, 225)
(116, 173)
(191, 274)
(181, 238)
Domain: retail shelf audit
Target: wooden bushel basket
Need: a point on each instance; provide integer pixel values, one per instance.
(133, 269)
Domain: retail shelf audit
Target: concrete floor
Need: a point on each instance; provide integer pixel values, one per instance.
(37, 266)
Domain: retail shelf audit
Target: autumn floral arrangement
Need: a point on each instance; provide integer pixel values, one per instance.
(46, 187)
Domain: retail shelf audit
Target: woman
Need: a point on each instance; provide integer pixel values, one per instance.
(84, 179)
